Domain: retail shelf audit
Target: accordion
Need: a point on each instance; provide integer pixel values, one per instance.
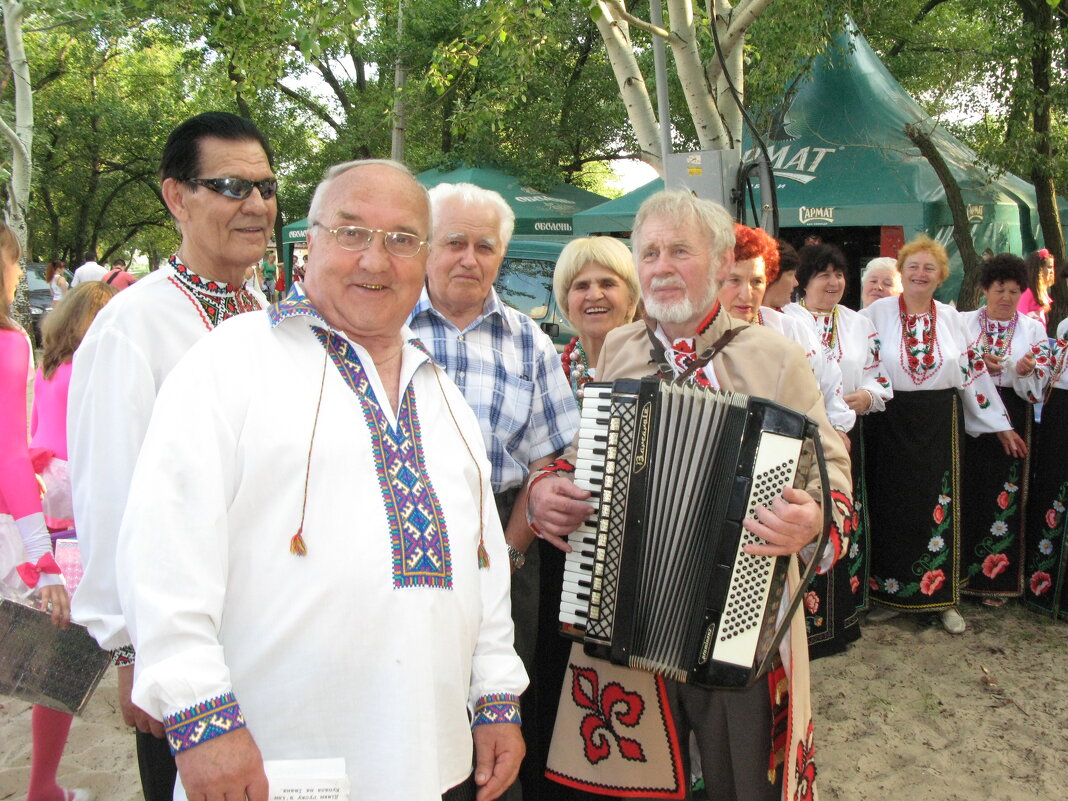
(658, 579)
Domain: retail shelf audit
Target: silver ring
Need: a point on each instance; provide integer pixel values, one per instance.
(48, 608)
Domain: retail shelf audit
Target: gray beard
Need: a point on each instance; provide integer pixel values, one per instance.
(683, 310)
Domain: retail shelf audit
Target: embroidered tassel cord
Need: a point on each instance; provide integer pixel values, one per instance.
(297, 545)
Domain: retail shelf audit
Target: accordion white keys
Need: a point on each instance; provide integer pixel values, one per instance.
(657, 578)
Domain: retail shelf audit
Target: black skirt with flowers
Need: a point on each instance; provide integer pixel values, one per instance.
(914, 503)
(833, 600)
(995, 487)
(1046, 553)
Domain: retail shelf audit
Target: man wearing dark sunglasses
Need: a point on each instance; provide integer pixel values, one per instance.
(219, 185)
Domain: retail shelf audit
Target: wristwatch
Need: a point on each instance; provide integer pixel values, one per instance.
(516, 557)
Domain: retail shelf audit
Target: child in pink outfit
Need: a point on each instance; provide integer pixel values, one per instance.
(48, 444)
(25, 543)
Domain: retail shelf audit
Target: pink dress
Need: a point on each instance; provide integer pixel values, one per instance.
(48, 444)
(1031, 307)
(22, 523)
(19, 494)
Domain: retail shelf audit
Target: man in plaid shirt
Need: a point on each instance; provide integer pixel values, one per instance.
(507, 369)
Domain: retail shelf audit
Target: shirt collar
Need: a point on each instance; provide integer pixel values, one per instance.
(297, 304)
(294, 304)
(197, 282)
(491, 306)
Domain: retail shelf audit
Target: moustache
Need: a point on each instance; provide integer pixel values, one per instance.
(666, 282)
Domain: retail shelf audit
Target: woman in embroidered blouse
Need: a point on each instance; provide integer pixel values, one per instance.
(992, 534)
(596, 287)
(1046, 529)
(1035, 300)
(756, 266)
(940, 382)
(849, 341)
(25, 544)
(879, 279)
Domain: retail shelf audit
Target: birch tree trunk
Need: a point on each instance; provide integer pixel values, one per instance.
(631, 83)
(20, 141)
(715, 114)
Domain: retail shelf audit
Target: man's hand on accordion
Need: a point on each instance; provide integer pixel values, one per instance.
(555, 508)
(791, 523)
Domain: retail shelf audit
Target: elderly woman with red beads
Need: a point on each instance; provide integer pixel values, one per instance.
(742, 293)
(850, 342)
(596, 287)
(942, 389)
(1009, 341)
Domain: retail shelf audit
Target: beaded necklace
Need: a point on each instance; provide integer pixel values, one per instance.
(828, 322)
(920, 355)
(996, 336)
(576, 366)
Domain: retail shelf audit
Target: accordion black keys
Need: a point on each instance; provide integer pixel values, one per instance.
(658, 579)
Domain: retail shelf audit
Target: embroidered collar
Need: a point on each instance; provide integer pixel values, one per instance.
(294, 304)
(706, 323)
(198, 283)
(418, 532)
(215, 301)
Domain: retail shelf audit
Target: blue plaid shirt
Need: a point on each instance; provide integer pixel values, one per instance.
(510, 373)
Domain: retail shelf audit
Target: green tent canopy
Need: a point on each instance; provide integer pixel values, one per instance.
(841, 159)
(538, 214)
(615, 216)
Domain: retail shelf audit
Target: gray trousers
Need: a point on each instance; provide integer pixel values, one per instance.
(733, 733)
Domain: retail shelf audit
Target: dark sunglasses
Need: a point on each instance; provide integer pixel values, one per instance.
(238, 188)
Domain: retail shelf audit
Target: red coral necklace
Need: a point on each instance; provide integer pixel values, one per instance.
(920, 355)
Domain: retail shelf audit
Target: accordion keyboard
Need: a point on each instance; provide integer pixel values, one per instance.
(580, 584)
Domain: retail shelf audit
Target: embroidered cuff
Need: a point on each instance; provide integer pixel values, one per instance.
(497, 708)
(123, 656)
(202, 722)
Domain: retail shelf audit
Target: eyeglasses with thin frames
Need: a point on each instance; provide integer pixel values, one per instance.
(237, 188)
(399, 243)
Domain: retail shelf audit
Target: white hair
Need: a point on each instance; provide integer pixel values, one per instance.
(682, 206)
(470, 195)
(880, 262)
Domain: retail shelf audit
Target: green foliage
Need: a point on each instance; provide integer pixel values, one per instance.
(994, 71)
(104, 107)
(781, 46)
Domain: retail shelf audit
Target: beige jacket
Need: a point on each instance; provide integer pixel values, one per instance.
(762, 363)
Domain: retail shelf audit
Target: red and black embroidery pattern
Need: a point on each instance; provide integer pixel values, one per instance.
(610, 709)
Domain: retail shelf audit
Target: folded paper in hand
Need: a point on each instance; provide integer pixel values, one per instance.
(307, 779)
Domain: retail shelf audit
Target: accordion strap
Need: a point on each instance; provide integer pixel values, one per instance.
(658, 354)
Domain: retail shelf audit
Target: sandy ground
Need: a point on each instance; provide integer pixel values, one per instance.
(908, 711)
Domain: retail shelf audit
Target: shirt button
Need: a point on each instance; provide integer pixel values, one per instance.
(460, 338)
